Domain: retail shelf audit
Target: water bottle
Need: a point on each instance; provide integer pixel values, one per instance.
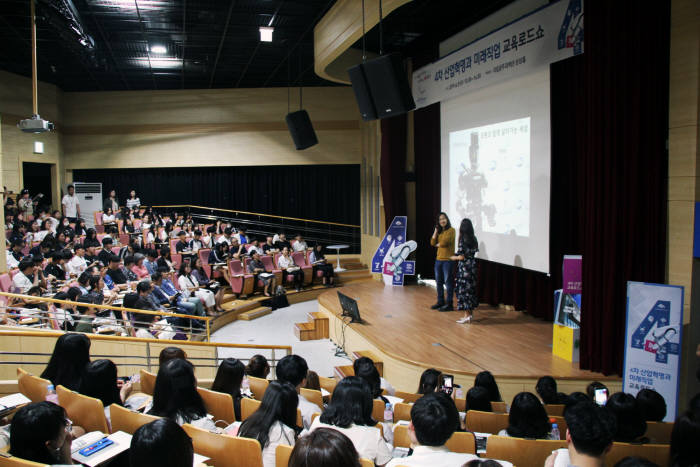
(51, 395)
(388, 424)
(245, 385)
(555, 432)
(388, 413)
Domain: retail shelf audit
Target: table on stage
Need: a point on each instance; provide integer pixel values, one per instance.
(337, 249)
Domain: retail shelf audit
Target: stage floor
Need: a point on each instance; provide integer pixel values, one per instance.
(400, 323)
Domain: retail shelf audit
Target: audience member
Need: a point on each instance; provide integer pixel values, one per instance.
(101, 382)
(312, 381)
(111, 202)
(67, 363)
(229, 378)
(257, 269)
(527, 418)
(652, 405)
(319, 262)
(27, 277)
(133, 202)
(631, 425)
(574, 398)
(274, 422)
(299, 244)
(292, 369)
(429, 381)
(478, 398)
(365, 369)
(170, 353)
(286, 263)
(684, 440)
(485, 379)
(324, 448)
(41, 432)
(590, 389)
(258, 367)
(161, 443)
(14, 253)
(350, 412)
(631, 461)
(546, 388)
(71, 205)
(190, 287)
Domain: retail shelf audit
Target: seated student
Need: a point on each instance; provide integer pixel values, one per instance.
(527, 418)
(115, 272)
(106, 252)
(300, 244)
(574, 398)
(546, 388)
(196, 243)
(589, 436)
(319, 262)
(241, 236)
(652, 405)
(91, 256)
(274, 422)
(14, 253)
(293, 369)
(108, 218)
(161, 443)
(67, 363)
(226, 237)
(175, 396)
(170, 353)
(591, 388)
(41, 432)
(478, 398)
(257, 367)
(429, 381)
(312, 381)
(383, 384)
(282, 241)
(485, 379)
(208, 237)
(181, 244)
(128, 269)
(129, 249)
(631, 425)
(165, 260)
(324, 447)
(350, 412)
(364, 368)
(192, 305)
(434, 419)
(28, 276)
(288, 267)
(229, 378)
(101, 382)
(257, 268)
(219, 254)
(685, 436)
(236, 250)
(42, 248)
(55, 269)
(213, 285)
(268, 245)
(150, 261)
(138, 267)
(253, 247)
(190, 287)
(45, 229)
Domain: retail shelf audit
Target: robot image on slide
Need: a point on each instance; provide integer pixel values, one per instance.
(472, 183)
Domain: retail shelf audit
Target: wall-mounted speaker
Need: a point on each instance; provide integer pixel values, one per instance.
(300, 128)
(381, 87)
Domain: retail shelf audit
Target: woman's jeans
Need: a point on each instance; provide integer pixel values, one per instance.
(444, 277)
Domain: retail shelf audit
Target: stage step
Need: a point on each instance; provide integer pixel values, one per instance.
(316, 328)
(353, 274)
(305, 331)
(255, 313)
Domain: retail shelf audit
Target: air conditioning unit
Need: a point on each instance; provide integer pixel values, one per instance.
(90, 198)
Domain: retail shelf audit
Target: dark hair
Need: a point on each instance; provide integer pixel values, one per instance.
(591, 428)
(546, 388)
(292, 369)
(527, 417)
(324, 447)
(478, 398)
(365, 369)
(429, 381)
(32, 426)
(279, 403)
(684, 439)
(630, 419)
(161, 443)
(67, 364)
(229, 377)
(129, 260)
(486, 380)
(351, 404)
(439, 227)
(435, 418)
(652, 405)
(100, 382)
(312, 381)
(25, 264)
(170, 353)
(632, 461)
(467, 239)
(482, 463)
(574, 398)
(590, 389)
(257, 367)
(175, 394)
(143, 286)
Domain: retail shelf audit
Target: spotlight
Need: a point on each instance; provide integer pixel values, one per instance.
(266, 33)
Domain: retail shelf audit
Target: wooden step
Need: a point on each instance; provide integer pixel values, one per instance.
(305, 331)
(321, 324)
(255, 313)
(354, 274)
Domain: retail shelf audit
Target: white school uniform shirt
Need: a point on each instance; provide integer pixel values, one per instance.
(21, 282)
(367, 440)
(307, 410)
(284, 263)
(384, 384)
(299, 246)
(431, 456)
(10, 260)
(279, 434)
(70, 204)
(76, 265)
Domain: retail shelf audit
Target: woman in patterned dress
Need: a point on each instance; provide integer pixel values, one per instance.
(465, 283)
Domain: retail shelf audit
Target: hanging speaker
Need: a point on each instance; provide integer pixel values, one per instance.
(382, 82)
(300, 128)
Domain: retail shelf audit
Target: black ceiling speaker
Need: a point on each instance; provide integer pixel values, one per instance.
(383, 82)
(302, 131)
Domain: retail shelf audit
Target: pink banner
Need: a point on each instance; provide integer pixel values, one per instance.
(571, 274)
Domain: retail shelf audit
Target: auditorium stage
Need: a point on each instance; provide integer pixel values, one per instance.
(408, 336)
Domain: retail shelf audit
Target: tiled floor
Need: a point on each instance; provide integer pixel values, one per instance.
(277, 328)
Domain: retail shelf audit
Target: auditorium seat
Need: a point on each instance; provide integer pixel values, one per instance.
(86, 412)
(128, 421)
(147, 381)
(270, 267)
(32, 386)
(241, 283)
(659, 432)
(499, 407)
(218, 404)
(378, 409)
(5, 283)
(258, 386)
(408, 396)
(313, 396)
(328, 384)
(520, 451)
(225, 450)
(402, 411)
(461, 404)
(123, 238)
(7, 460)
(657, 453)
(300, 260)
(177, 261)
(486, 422)
(554, 409)
(204, 255)
(461, 441)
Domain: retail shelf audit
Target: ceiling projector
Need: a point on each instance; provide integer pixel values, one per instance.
(36, 124)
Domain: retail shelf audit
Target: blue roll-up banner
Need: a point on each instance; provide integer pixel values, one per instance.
(390, 257)
(653, 336)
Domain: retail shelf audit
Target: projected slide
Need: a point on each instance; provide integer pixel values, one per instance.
(490, 176)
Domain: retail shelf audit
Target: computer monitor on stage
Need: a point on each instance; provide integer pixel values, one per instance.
(350, 309)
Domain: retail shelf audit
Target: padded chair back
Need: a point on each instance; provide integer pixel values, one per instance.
(219, 404)
(366, 462)
(258, 386)
(5, 283)
(521, 451)
(378, 409)
(128, 421)
(657, 453)
(12, 461)
(124, 238)
(408, 396)
(402, 411)
(486, 422)
(461, 404)
(462, 442)
(659, 432)
(282, 455)
(267, 262)
(177, 260)
(148, 382)
(204, 255)
(299, 258)
(32, 386)
(499, 407)
(556, 410)
(84, 411)
(328, 384)
(172, 242)
(313, 396)
(401, 438)
(98, 217)
(225, 450)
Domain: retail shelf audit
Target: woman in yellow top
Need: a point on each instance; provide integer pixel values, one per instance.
(444, 240)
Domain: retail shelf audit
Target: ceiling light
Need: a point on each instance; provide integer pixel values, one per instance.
(266, 33)
(157, 63)
(158, 49)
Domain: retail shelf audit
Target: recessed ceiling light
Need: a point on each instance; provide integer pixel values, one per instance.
(266, 33)
(158, 49)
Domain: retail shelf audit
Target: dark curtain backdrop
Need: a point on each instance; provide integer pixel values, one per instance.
(319, 192)
(393, 166)
(609, 110)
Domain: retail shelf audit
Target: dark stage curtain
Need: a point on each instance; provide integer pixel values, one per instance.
(319, 192)
(393, 166)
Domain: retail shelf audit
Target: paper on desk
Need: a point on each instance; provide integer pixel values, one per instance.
(122, 442)
(324, 393)
(393, 400)
(14, 400)
(199, 460)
